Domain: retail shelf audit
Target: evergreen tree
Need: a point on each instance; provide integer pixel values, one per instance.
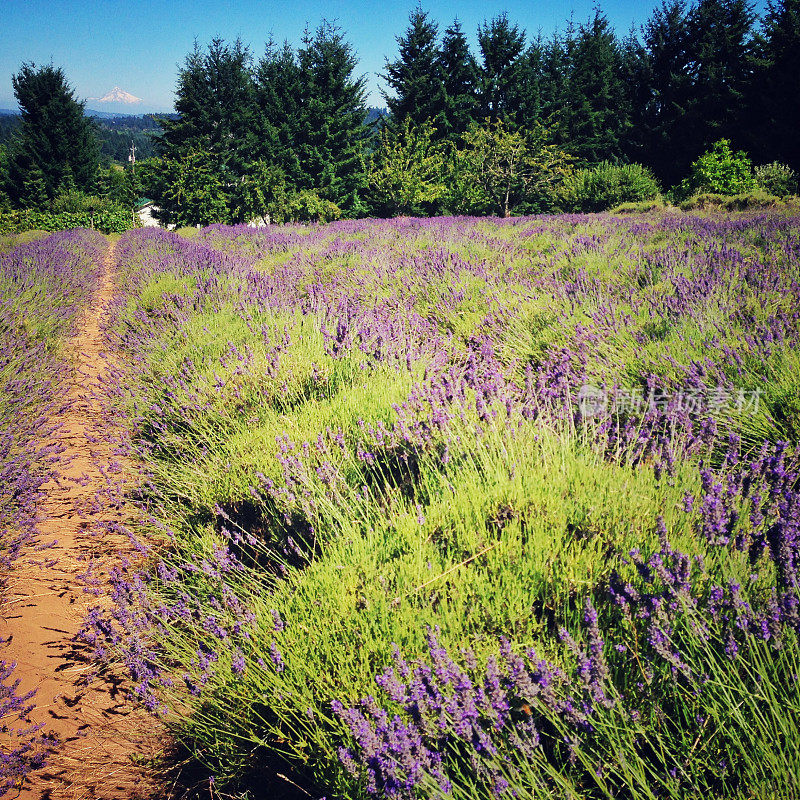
(529, 101)
(555, 68)
(502, 45)
(460, 79)
(774, 106)
(720, 48)
(332, 119)
(595, 114)
(415, 77)
(661, 137)
(214, 133)
(54, 138)
(279, 100)
(214, 100)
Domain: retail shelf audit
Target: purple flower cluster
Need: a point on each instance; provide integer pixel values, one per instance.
(488, 329)
(513, 707)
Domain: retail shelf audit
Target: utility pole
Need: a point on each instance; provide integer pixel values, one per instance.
(132, 159)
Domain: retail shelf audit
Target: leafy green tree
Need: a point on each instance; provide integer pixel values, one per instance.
(190, 190)
(721, 171)
(331, 142)
(308, 206)
(509, 167)
(407, 176)
(54, 137)
(123, 186)
(460, 79)
(261, 194)
(502, 45)
(414, 78)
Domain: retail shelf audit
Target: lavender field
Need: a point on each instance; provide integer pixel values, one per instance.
(464, 507)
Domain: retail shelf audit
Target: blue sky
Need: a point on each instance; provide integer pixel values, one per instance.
(138, 45)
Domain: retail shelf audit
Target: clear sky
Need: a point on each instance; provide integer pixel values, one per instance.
(139, 44)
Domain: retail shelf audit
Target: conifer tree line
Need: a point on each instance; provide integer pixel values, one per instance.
(503, 128)
(288, 131)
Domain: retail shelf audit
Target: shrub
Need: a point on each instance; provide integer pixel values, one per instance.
(777, 179)
(738, 202)
(108, 219)
(308, 206)
(607, 185)
(642, 207)
(720, 171)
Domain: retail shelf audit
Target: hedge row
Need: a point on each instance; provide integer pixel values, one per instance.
(105, 221)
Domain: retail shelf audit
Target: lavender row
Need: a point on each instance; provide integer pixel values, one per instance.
(44, 288)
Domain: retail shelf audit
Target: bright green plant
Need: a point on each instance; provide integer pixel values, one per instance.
(308, 206)
(720, 170)
(498, 168)
(777, 179)
(191, 190)
(407, 175)
(607, 185)
(261, 194)
(108, 219)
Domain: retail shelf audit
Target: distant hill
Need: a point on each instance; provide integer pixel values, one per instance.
(116, 132)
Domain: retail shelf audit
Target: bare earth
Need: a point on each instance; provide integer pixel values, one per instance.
(105, 740)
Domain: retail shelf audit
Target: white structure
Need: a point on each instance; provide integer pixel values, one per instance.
(147, 218)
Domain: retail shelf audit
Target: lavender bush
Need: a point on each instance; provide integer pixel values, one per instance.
(389, 539)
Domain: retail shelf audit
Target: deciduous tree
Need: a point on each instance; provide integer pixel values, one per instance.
(407, 176)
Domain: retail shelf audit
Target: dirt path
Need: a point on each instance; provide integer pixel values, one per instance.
(104, 737)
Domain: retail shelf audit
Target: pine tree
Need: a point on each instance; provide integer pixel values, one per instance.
(529, 101)
(774, 105)
(54, 138)
(595, 115)
(460, 79)
(662, 138)
(214, 99)
(332, 119)
(279, 100)
(415, 77)
(556, 65)
(502, 45)
(720, 48)
(215, 128)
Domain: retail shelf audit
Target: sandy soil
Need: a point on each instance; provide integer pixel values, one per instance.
(106, 741)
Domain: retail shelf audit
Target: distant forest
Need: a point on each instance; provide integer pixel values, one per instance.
(115, 135)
